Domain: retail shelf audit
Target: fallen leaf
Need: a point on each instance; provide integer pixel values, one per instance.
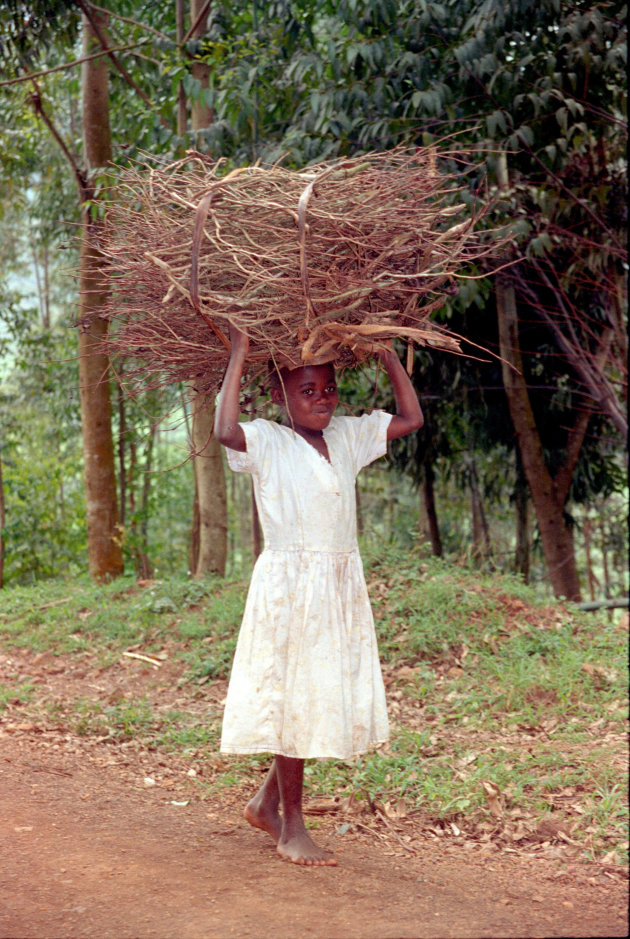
(493, 794)
(322, 807)
(399, 810)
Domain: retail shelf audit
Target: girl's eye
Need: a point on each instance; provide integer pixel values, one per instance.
(331, 389)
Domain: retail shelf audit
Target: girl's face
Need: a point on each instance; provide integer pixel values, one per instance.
(309, 395)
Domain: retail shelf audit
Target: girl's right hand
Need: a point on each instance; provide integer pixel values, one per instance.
(226, 426)
(239, 340)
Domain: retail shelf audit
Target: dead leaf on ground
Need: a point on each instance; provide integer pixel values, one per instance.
(322, 806)
(493, 794)
(355, 805)
(396, 810)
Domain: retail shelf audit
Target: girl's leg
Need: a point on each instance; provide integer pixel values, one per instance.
(262, 811)
(295, 843)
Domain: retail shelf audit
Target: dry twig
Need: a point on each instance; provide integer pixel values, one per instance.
(319, 265)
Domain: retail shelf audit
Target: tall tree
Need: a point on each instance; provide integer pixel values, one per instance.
(209, 540)
(104, 537)
(26, 33)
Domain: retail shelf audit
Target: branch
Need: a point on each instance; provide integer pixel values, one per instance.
(85, 7)
(576, 436)
(36, 101)
(202, 13)
(126, 19)
(67, 65)
(598, 221)
(589, 368)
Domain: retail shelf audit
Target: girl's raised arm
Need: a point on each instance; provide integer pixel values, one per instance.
(408, 415)
(227, 429)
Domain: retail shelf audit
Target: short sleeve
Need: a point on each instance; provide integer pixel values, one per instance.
(366, 437)
(249, 461)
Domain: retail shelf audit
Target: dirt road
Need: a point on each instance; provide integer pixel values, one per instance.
(88, 850)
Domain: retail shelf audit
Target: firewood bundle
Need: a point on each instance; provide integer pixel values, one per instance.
(318, 265)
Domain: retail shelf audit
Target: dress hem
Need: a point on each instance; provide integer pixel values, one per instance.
(275, 751)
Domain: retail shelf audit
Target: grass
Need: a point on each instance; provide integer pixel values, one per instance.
(73, 617)
(15, 694)
(507, 713)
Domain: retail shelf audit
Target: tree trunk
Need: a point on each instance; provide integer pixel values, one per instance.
(138, 523)
(2, 523)
(257, 539)
(211, 491)
(521, 502)
(122, 436)
(182, 115)
(193, 554)
(592, 579)
(104, 548)
(604, 540)
(359, 503)
(548, 497)
(201, 115)
(210, 526)
(549, 494)
(480, 532)
(431, 512)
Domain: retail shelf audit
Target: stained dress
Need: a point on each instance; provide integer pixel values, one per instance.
(306, 678)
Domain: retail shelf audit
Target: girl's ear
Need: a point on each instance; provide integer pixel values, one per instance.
(277, 396)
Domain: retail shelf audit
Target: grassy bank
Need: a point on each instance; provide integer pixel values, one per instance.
(508, 716)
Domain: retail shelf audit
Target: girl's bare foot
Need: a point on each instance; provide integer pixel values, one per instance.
(299, 848)
(263, 816)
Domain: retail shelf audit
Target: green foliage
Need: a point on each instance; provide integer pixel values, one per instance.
(39, 422)
(301, 81)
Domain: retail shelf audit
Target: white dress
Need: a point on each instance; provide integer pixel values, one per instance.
(306, 679)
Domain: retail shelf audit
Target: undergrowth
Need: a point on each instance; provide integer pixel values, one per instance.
(507, 712)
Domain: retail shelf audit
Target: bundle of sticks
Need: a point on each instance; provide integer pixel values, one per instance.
(318, 265)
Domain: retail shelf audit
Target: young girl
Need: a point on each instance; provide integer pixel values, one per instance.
(306, 679)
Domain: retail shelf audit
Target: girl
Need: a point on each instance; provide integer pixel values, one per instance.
(306, 679)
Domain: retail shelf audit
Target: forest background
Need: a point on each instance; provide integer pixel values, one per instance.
(521, 464)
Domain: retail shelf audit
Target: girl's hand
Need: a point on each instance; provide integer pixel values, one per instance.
(408, 415)
(239, 340)
(226, 426)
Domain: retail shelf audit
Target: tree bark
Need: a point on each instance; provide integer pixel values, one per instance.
(480, 532)
(428, 493)
(104, 547)
(592, 579)
(182, 111)
(210, 525)
(604, 540)
(521, 502)
(201, 115)
(359, 503)
(257, 539)
(122, 436)
(211, 491)
(138, 525)
(2, 522)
